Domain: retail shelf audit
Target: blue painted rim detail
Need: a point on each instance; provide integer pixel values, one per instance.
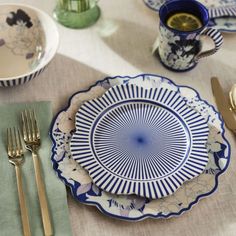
(111, 172)
(195, 6)
(158, 216)
(220, 29)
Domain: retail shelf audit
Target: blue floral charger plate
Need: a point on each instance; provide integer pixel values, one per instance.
(140, 141)
(216, 7)
(132, 207)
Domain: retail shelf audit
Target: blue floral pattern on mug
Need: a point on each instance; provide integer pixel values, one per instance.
(181, 50)
(177, 52)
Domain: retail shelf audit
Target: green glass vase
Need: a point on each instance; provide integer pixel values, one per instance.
(77, 13)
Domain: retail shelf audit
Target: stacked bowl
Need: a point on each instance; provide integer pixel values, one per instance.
(28, 42)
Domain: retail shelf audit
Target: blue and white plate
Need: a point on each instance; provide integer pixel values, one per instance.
(131, 207)
(140, 141)
(218, 10)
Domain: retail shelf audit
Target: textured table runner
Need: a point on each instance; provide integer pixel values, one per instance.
(10, 220)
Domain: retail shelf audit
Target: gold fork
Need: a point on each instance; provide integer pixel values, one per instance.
(31, 136)
(16, 157)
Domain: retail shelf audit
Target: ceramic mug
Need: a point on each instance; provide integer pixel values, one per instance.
(181, 50)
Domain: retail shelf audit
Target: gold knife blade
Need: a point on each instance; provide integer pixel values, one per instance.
(223, 104)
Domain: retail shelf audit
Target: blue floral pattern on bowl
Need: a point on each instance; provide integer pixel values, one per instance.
(28, 41)
(23, 35)
(131, 207)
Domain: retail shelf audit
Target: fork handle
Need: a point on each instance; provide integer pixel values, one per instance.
(42, 196)
(23, 207)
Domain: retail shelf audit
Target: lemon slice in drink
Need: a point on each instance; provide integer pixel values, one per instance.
(184, 22)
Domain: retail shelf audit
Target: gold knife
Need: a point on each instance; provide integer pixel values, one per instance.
(223, 104)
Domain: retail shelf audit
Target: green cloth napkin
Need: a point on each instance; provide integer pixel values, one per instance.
(10, 220)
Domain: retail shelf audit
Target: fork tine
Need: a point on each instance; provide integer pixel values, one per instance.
(32, 124)
(25, 136)
(16, 143)
(9, 142)
(36, 125)
(28, 128)
(20, 142)
(13, 142)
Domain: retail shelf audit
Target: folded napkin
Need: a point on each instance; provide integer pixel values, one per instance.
(10, 220)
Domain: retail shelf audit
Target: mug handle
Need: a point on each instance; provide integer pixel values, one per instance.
(217, 38)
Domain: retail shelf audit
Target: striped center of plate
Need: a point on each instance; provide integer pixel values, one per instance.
(140, 140)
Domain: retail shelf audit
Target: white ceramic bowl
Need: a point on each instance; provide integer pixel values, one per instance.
(28, 41)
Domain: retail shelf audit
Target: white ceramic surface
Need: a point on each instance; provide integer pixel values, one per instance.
(140, 141)
(28, 41)
(133, 207)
